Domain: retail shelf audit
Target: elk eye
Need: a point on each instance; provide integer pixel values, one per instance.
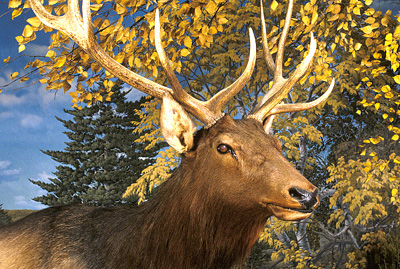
(224, 149)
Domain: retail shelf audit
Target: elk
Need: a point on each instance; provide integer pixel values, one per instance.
(232, 177)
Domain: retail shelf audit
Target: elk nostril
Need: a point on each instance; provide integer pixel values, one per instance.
(295, 194)
(305, 198)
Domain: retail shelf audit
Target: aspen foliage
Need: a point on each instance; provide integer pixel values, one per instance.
(207, 43)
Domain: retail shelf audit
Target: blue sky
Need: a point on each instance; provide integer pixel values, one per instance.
(27, 123)
(27, 120)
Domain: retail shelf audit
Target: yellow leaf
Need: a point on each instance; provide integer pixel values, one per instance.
(370, 20)
(137, 62)
(14, 75)
(188, 42)
(28, 31)
(211, 7)
(382, 167)
(314, 17)
(397, 160)
(376, 140)
(377, 106)
(73, 94)
(336, 9)
(35, 22)
(212, 31)
(333, 46)
(358, 112)
(222, 21)
(14, 3)
(89, 96)
(60, 61)
(385, 21)
(384, 116)
(197, 12)
(357, 46)
(7, 60)
(185, 52)
(397, 79)
(389, 95)
(43, 80)
(386, 88)
(395, 137)
(394, 192)
(51, 54)
(21, 48)
(274, 5)
(16, 13)
(356, 11)
(367, 29)
(24, 79)
(368, 2)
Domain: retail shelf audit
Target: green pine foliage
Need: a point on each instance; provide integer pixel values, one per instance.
(4, 217)
(101, 158)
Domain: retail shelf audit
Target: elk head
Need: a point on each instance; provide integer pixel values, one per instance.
(248, 161)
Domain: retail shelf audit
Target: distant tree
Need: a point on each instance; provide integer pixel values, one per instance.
(102, 158)
(4, 217)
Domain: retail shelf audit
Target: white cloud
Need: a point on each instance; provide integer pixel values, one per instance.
(21, 200)
(36, 49)
(12, 100)
(17, 194)
(10, 172)
(31, 121)
(4, 171)
(4, 164)
(43, 176)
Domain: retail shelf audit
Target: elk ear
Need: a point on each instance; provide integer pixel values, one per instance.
(176, 125)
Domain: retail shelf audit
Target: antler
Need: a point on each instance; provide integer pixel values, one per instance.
(271, 102)
(79, 29)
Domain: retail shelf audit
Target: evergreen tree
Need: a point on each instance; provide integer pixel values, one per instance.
(101, 159)
(4, 217)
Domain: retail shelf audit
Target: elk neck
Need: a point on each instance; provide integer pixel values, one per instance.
(195, 214)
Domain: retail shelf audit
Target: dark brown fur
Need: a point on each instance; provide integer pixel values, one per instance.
(207, 215)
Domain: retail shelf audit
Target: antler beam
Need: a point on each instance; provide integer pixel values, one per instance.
(79, 29)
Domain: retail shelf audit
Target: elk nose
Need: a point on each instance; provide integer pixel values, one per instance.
(307, 199)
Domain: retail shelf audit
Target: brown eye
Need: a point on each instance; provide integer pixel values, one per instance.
(223, 149)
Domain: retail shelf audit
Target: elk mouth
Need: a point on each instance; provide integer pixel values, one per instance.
(289, 213)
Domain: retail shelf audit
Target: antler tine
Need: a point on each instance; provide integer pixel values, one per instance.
(210, 111)
(284, 108)
(267, 54)
(281, 86)
(80, 30)
(192, 105)
(282, 40)
(223, 96)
